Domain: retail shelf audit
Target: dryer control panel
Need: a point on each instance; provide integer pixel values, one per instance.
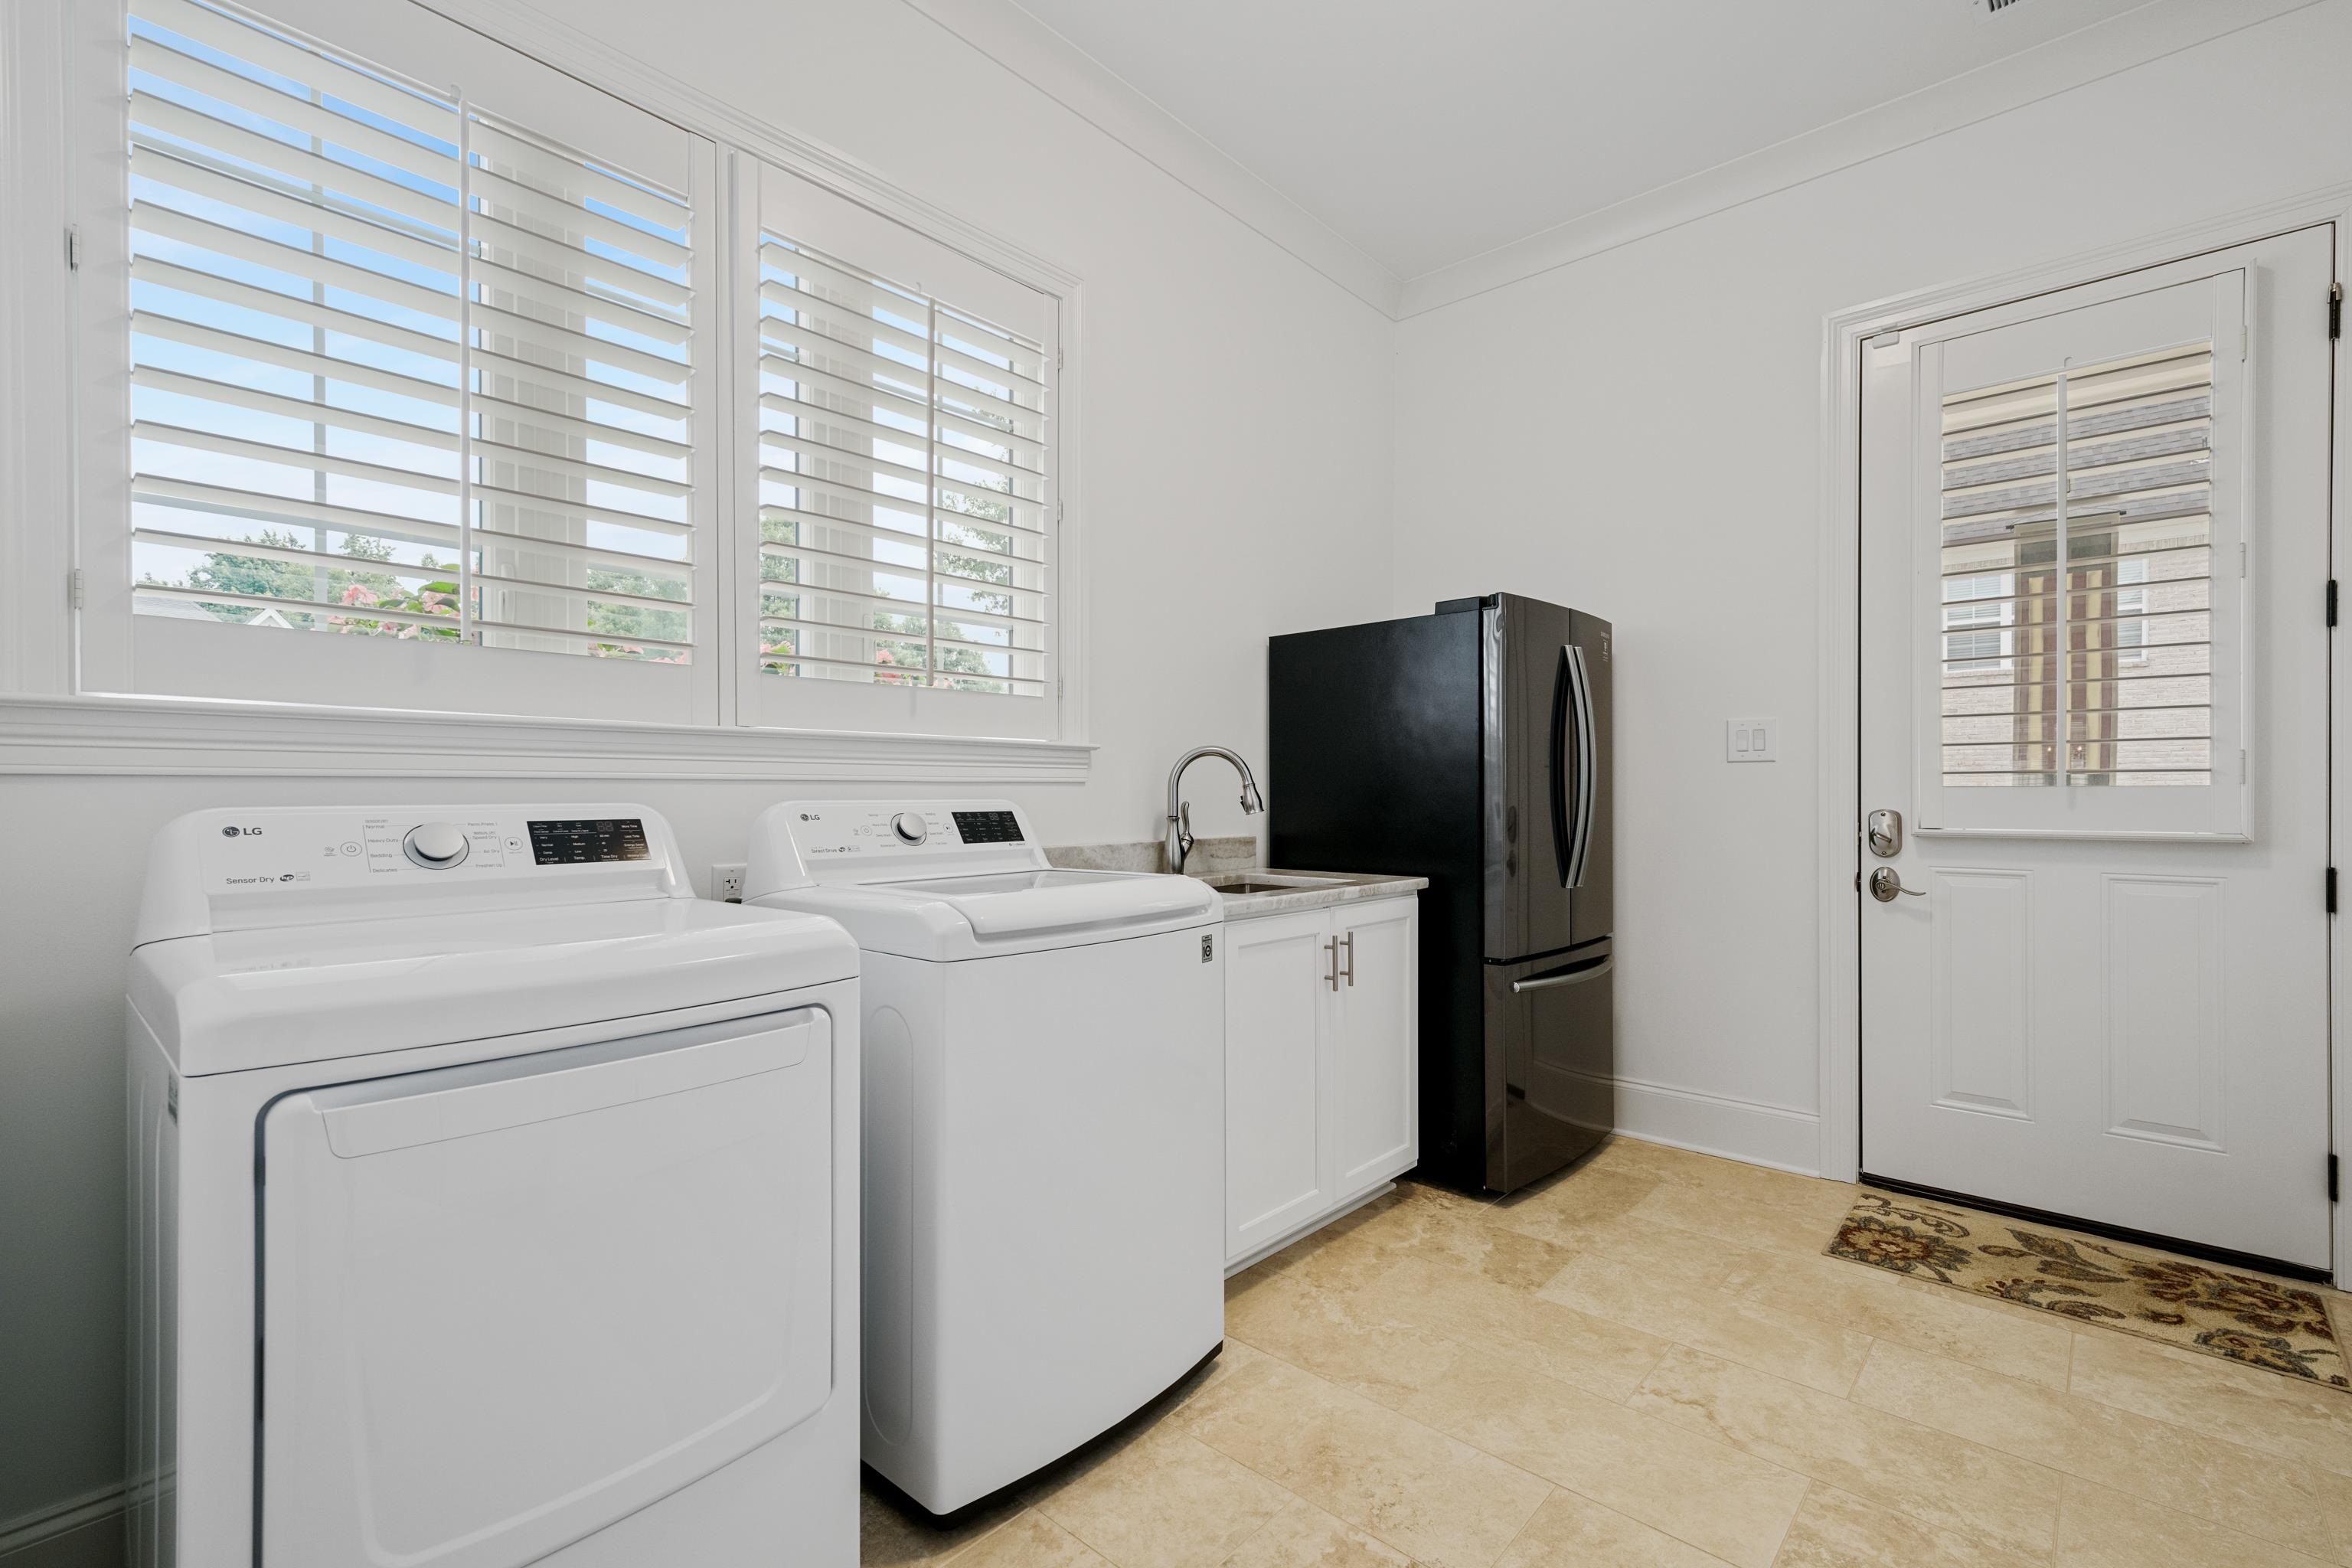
(230, 869)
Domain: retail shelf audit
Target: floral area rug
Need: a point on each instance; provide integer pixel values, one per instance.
(2248, 1318)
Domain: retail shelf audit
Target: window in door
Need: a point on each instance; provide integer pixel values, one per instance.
(2080, 639)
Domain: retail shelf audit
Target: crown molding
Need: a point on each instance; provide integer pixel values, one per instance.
(534, 30)
(1061, 70)
(2136, 38)
(184, 737)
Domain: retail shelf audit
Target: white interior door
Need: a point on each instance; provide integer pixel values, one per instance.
(505, 1304)
(2094, 685)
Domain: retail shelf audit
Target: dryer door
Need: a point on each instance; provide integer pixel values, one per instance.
(505, 1304)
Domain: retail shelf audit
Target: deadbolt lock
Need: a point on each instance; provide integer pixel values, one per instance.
(1884, 830)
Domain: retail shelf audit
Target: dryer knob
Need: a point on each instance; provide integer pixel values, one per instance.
(911, 828)
(436, 845)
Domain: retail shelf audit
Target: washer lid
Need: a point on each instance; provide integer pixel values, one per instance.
(1017, 903)
(980, 916)
(238, 1000)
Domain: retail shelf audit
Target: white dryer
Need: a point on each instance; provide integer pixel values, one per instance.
(1044, 1130)
(495, 1201)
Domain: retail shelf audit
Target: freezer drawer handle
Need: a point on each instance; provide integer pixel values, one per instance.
(1574, 974)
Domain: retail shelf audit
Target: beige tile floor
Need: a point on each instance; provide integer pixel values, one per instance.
(1647, 1362)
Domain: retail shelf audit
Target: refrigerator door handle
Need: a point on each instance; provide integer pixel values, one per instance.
(1577, 701)
(1574, 974)
(1563, 719)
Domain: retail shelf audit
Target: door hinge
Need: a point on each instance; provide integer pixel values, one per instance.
(2331, 890)
(2331, 601)
(2335, 311)
(2332, 1186)
(73, 589)
(73, 247)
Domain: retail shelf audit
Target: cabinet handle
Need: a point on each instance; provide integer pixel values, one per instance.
(1351, 939)
(1331, 951)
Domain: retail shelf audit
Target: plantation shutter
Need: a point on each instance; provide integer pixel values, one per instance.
(2101, 671)
(904, 447)
(2079, 481)
(403, 367)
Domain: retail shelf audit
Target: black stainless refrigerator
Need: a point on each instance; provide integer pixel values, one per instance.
(1471, 747)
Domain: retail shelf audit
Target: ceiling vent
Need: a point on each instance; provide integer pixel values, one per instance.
(1993, 5)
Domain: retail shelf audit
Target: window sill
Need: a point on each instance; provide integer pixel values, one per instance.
(163, 735)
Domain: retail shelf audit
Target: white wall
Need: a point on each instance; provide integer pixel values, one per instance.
(1638, 433)
(1223, 504)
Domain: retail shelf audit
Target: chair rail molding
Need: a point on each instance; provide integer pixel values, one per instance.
(164, 736)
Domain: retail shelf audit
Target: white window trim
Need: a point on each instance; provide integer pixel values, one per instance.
(171, 736)
(47, 725)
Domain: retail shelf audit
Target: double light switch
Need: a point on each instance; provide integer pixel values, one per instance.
(1750, 740)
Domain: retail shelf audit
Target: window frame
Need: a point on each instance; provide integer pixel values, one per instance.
(917, 709)
(54, 675)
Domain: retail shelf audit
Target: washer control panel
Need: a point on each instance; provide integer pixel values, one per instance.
(929, 832)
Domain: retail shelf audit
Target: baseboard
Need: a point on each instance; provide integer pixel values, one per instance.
(27, 1529)
(1306, 1229)
(1780, 1136)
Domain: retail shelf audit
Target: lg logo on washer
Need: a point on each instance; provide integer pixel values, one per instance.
(234, 832)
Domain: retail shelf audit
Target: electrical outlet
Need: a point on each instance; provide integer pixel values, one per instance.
(727, 884)
(1750, 740)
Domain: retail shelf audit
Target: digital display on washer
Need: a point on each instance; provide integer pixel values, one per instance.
(987, 826)
(588, 839)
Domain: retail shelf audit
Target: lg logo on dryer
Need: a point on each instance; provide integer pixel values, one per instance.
(234, 832)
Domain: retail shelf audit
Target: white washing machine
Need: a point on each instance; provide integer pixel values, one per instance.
(495, 1201)
(1044, 1130)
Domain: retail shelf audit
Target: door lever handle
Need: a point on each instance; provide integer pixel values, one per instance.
(1886, 881)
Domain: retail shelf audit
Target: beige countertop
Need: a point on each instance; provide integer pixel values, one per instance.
(1274, 892)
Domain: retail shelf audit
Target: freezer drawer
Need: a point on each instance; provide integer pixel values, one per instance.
(505, 1304)
(1548, 1073)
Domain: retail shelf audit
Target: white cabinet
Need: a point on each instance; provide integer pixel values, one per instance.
(1321, 1065)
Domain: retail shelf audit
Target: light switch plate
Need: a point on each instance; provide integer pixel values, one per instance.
(1751, 740)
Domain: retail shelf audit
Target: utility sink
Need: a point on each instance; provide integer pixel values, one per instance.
(1237, 882)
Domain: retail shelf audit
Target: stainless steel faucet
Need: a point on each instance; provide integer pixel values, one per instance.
(1180, 812)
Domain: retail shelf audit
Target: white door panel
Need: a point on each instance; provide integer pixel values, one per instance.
(506, 1304)
(2094, 682)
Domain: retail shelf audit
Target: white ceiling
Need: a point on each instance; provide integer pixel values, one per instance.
(1427, 133)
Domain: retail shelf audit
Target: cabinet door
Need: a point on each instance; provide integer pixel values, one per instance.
(1277, 1174)
(1374, 1033)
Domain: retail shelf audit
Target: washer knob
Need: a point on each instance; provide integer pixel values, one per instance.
(436, 845)
(911, 828)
